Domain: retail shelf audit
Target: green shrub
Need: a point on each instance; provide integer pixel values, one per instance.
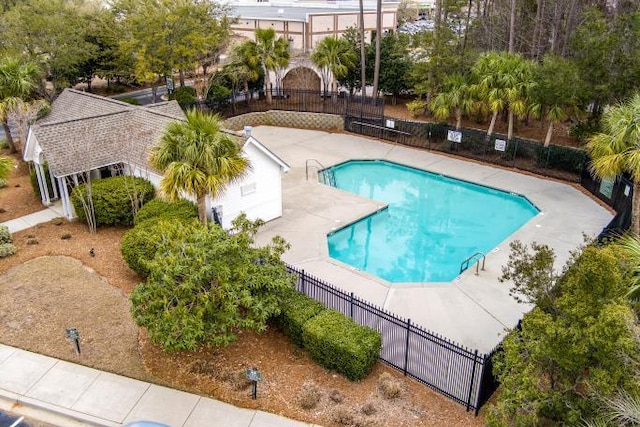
(185, 95)
(139, 245)
(7, 249)
(340, 344)
(5, 236)
(417, 107)
(3, 144)
(34, 179)
(161, 209)
(562, 158)
(217, 92)
(112, 199)
(132, 101)
(297, 309)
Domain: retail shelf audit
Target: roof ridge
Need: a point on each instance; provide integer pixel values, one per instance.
(101, 98)
(45, 124)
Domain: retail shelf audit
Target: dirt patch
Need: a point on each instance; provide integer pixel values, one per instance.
(17, 199)
(42, 297)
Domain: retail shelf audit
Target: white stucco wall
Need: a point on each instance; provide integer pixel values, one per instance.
(259, 194)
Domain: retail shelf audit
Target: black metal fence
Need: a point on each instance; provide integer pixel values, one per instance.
(457, 372)
(555, 161)
(617, 193)
(299, 100)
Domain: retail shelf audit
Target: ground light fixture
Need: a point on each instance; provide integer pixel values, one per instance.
(254, 376)
(74, 336)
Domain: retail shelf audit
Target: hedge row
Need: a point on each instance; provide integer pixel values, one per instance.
(112, 199)
(332, 339)
(161, 209)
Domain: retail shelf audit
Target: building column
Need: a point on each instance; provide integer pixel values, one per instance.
(53, 184)
(42, 184)
(66, 202)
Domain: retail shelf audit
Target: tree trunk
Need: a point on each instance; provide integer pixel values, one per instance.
(181, 76)
(363, 54)
(510, 131)
(202, 209)
(547, 139)
(7, 131)
(466, 30)
(494, 117)
(635, 208)
(458, 119)
(267, 86)
(154, 92)
(512, 27)
(376, 66)
(247, 94)
(535, 51)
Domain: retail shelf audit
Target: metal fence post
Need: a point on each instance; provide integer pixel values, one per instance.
(303, 276)
(406, 348)
(473, 375)
(485, 358)
(351, 305)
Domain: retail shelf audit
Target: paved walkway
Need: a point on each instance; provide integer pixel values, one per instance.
(28, 221)
(70, 395)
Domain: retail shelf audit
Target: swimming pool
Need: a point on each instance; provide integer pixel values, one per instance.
(431, 225)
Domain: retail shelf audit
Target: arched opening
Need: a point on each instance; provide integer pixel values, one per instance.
(301, 78)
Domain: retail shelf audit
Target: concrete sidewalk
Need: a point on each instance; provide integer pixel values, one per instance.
(67, 394)
(28, 221)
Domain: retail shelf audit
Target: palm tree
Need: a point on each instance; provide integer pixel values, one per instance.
(456, 96)
(270, 53)
(616, 150)
(504, 81)
(198, 158)
(241, 66)
(376, 64)
(363, 51)
(18, 79)
(335, 57)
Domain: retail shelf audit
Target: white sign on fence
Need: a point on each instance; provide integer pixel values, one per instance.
(454, 136)
(501, 145)
(391, 124)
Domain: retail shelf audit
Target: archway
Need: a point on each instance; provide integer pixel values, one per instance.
(301, 78)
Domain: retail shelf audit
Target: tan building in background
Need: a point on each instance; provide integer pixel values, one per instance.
(304, 26)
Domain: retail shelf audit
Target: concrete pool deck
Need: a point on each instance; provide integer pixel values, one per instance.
(472, 310)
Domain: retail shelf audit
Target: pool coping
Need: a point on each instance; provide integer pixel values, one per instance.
(473, 311)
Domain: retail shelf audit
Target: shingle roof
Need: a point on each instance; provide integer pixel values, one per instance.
(85, 131)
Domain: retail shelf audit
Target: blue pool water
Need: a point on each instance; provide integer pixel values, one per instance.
(433, 222)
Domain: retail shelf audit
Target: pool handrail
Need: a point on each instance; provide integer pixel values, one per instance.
(465, 264)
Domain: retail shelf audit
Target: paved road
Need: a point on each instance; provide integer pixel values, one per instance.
(143, 96)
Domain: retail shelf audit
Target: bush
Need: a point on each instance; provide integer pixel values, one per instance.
(217, 92)
(583, 129)
(417, 107)
(139, 245)
(389, 386)
(5, 236)
(310, 395)
(340, 344)
(297, 309)
(161, 209)
(112, 199)
(185, 95)
(562, 158)
(7, 249)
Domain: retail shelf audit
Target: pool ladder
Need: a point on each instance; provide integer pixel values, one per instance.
(475, 257)
(326, 175)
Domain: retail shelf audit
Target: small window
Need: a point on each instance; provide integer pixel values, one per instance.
(245, 190)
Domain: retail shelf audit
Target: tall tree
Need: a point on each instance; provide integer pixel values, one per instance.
(197, 158)
(616, 150)
(353, 79)
(574, 348)
(53, 34)
(164, 35)
(270, 53)
(206, 285)
(394, 65)
(242, 67)
(558, 91)
(376, 65)
(334, 57)
(18, 79)
(363, 51)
